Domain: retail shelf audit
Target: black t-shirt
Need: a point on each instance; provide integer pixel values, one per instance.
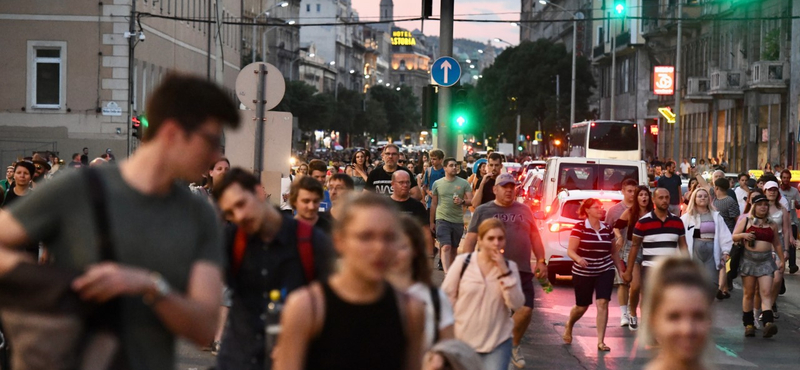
(488, 191)
(463, 174)
(380, 181)
(415, 209)
(673, 184)
(11, 196)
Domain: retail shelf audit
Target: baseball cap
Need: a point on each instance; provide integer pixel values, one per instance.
(758, 198)
(505, 179)
(770, 185)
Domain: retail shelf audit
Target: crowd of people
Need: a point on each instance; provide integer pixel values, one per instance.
(346, 260)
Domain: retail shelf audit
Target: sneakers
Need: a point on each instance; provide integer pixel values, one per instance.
(634, 323)
(793, 269)
(623, 320)
(516, 357)
(720, 295)
(215, 348)
(770, 329)
(749, 331)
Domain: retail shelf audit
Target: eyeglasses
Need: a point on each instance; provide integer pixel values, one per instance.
(38, 166)
(403, 182)
(391, 153)
(402, 161)
(213, 140)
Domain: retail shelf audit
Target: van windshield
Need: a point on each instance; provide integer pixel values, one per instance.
(585, 176)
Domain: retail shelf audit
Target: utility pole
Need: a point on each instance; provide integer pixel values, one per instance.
(219, 78)
(208, 44)
(446, 135)
(676, 144)
(613, 67)
(131, 44)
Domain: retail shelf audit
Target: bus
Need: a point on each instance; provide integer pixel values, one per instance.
(606, 139)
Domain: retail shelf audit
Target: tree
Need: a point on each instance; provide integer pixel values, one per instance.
(401, 107)
(523, 80)
(313, 110)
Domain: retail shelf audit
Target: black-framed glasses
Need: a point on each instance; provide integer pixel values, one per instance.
(402, 161)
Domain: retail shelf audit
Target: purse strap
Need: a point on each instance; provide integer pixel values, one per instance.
(97, 196)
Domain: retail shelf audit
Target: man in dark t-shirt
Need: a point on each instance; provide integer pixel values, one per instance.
(380, 179)
(485, 191)
(401, 183)
(672, 182)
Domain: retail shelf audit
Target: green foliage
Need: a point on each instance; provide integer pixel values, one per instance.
(385, 111)
(528, 72)
(772, 45)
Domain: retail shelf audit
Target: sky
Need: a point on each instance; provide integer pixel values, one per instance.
(484, 9)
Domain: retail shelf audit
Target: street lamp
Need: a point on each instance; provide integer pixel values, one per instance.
(503, 41)
(281, 4)
(575, 17)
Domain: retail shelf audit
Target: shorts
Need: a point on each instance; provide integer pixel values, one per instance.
(601, 285)
(626, 252)
(526, 282)
(757, 264)
(449, 233)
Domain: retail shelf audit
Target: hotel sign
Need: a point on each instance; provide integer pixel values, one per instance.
(403, 38)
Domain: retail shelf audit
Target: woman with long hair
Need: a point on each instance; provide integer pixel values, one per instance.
(214, 174)
(690, 189)
(760, 236)
(484, 292)
(708, 238)
(359, 169)
(591, 247)
(780, 216)
(623, 229)
(677, 312)
(323, 323)
(411, 273)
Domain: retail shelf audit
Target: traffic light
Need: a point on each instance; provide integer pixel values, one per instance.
(619, 7)
(460, 109)
(427, 8)
(138, 125)
(430, 106)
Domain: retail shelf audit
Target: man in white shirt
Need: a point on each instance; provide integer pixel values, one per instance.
(742, 191)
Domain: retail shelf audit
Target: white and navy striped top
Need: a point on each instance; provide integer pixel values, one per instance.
(659, 238)
(595, 248)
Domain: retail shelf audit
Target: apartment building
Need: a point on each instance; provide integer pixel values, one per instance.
(65, 78)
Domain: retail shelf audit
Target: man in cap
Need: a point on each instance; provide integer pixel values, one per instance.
(522, 230)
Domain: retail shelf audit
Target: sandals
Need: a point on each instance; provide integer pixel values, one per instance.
(603, 347)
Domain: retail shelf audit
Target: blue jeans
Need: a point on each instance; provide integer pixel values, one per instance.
(498, 358)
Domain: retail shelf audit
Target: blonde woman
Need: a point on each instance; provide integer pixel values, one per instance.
(677, 312)
(708, 238)
(484, 288)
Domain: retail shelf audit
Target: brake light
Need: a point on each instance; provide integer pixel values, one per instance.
(605, 200)
(547, 209)
(559, 226)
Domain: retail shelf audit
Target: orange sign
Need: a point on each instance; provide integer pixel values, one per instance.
(664, 80)
(654, 130)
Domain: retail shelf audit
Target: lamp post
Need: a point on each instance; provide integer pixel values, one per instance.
(503, 41)
(281, 4)
(575, 17)
(291, 66)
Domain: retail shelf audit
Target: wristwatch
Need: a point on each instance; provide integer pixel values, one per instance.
(540, 260)
(162, 289)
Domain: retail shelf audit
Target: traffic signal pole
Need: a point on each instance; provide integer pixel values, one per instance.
(131, 44)
(676, 136)
(447, 137)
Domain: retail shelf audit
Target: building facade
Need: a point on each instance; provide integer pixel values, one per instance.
(410, 63)
(66, 76)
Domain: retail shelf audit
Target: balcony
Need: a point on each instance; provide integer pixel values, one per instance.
(598, 51)
(623, 39)
(727, 84)
(769, 76)
(697, 89)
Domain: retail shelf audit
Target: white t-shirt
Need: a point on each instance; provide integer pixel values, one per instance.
(684, 168)
(423, 293)
(741, 198)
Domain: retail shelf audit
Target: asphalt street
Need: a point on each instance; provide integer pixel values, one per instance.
(544, 349)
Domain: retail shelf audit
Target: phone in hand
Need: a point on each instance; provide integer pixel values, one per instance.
(693, 162)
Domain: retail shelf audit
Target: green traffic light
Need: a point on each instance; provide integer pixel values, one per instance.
(460, 120)
(144, 121)
(620, 8)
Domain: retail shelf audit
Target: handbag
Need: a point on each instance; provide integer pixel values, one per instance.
(47, 326)
(736, 257)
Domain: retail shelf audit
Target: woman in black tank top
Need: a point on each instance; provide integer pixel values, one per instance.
(355, 320)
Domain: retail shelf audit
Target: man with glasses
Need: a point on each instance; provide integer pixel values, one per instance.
(168, 242)
(448, 197)
(380, 179)
(434, 173)
(401, 184)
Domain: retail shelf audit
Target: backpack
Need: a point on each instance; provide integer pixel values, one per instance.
(464, 268)
(304, 231)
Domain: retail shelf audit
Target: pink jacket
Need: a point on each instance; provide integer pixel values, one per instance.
(482, 305)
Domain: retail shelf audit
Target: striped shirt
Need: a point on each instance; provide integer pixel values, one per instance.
(595, 247)
(658, 238)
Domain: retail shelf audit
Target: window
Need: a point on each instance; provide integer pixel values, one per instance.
(319, 8)
(308, 8)
(47, 74)
(599, 36)
(579, 176)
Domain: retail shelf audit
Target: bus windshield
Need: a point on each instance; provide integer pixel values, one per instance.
(615, 136)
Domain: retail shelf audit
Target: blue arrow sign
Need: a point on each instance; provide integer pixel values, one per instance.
(446, 71)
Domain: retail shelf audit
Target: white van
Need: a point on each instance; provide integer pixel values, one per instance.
(575, 173)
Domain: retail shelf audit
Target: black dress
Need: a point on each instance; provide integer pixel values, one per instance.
(359, 336)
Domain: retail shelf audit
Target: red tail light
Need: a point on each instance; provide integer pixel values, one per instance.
(560, 226)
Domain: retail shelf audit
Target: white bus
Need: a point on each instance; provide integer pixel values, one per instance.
(606, 139)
